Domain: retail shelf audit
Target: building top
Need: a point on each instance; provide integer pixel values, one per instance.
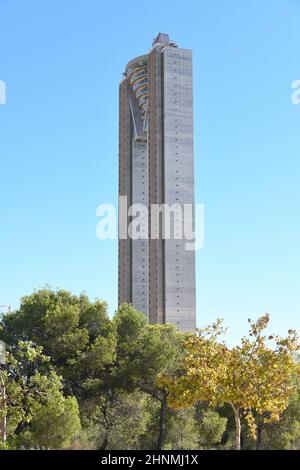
(163, 38)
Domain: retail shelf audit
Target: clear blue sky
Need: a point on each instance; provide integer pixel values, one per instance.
(62, 61)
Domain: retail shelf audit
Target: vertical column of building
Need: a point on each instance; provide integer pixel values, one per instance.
(140, 287)
(156, 177)
(125, 189)
(178, 183)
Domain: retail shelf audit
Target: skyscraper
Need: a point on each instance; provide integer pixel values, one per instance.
(156, 166)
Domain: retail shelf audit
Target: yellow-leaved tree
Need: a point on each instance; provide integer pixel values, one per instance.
(255, 376)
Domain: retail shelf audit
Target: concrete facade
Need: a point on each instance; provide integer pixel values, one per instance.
(156, 166)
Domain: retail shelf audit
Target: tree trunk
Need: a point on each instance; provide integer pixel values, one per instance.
(4, 422)
(162, 423)
(238, 427)
(271, 437)
(260, 429)
(242, 440)
(105, 442)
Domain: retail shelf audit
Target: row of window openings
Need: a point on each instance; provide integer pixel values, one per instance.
(144, 306)
(177, 281)
(177, 252)
(177, 185)
(144, 287)
(143, 280)
(143, 260)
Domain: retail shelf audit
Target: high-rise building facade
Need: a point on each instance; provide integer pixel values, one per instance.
(156, 167)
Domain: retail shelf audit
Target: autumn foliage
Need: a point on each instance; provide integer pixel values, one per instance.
(254, 377)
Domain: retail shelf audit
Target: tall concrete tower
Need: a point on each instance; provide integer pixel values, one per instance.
(156, 166)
